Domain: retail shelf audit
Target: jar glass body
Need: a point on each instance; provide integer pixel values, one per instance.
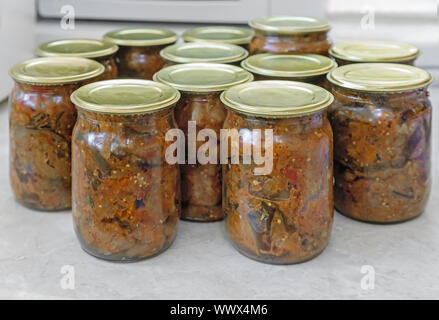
(285, 216)
(41, 121)
(382, 154)
(109, 62)
(313, 42)
(201, 183)
(139, 62)
(126, 197)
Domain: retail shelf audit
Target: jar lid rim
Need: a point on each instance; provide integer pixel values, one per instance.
(374, 51)
(125, 96)
(277, 99)
(86, 48)
(290, 24)
(56, 70)
(141, 36)
(380, 77)
(199, 52)
(202, 77)
(288, 65)
(219, 34)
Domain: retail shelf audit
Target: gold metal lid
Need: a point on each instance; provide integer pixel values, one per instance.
(56, 70)
(202, 77)
(204, 52)
(125, 96)
(86, 48)
(289, 24)
(276, 99)
(288, 65)
(380, 77)
(219, 34)
(374, 51)
(141, 37)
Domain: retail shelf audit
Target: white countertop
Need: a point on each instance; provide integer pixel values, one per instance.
(202, 264)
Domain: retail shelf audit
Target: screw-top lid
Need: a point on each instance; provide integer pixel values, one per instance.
(374, 51)
(141, 37)
(125, 96)
(288, 65)
(289, 24)
(86, 48)
(221, 34)
(202, 77)
(191, 52)
(276, 99)
(56, 70)
(380, 77)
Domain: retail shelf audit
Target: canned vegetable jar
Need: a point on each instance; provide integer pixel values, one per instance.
(139, 50)
(220, 34)
(203, 52)
(382, 135)
(283, 215)
(126, 196)
(100, 51)
(200, 108)
(41, 121)
(374, 51)
(310, 68)
(287, 34)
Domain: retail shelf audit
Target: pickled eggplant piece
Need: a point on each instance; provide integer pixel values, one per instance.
(313, 42)
(382, 154)
(126, 203)
(286, 216)
(201, 184)
(41, 122)
(110, 66)
(139, 62)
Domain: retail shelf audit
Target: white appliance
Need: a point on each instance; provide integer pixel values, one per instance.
(193, 11)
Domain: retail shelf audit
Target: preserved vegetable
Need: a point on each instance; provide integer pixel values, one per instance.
(286, 34)
(284, 216)
(200, 103)
(101, 51)
(40, 128)
(139, 50)
(382, 130)
(373, 51)
(126, 197)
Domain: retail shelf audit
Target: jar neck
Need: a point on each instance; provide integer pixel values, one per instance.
(148, 120)
(293, 124)
(273, 36)
(200, 96)
(384, 99)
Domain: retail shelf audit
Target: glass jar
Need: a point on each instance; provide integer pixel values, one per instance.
(310, 68)
(101, 51)
(286, 34)
(41, 120)
(220, 34)
(203, 52)
(283, 215)
(382, 135)
(126, 196)
(139, 50)
(200, 106)
(374, 51)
